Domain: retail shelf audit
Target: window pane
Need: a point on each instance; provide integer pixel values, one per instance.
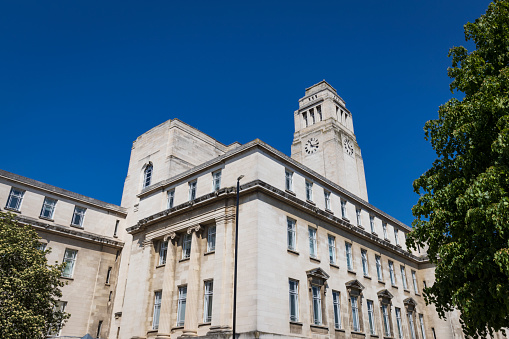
(337, 309)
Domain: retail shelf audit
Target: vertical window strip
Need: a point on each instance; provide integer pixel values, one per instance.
(181, 306)
(211, 239)
(147, 178)
(411, 325)
(421, 321)
(309, 191)
(192, 190)
(337, 309)
(332, 249)
(384, 228)
(48, 208)
(349, 259)
(157, 310)
(207, 303)
(365, 269)
(403, 277)
(186, 246)
(78, 216)
(355, 314)
(391, 273)
(216, 180)
(371, 317)
(327, 200)
(372, 223)
(171, 198)
(163, 250)
(294, 300)
(291, 234)
(398, 323)
(414, 280)
(358, 216)
(70, 261)
(387, 326)
(343, 209)
(317, 305)
(312, 242)
(15, 199)
(396, 236)
(379, 272)
(288, 180)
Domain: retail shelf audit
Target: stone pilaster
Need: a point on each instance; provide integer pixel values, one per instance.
(193, 285)
(168, 288)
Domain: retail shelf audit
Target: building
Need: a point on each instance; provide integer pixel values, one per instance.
(316, 260)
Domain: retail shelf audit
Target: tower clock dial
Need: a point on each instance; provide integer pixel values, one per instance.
(348, 146)
(311, 146)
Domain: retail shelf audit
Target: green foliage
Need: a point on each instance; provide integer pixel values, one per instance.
(463, 210)
(29, 287)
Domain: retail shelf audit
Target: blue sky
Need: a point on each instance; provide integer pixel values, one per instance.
(81, 80)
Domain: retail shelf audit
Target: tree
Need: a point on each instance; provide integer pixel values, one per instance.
(29, 287)
(463, 210)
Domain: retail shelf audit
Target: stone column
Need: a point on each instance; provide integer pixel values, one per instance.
(193, 285)
(168, 288)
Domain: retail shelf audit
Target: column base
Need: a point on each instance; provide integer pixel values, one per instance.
(219, 329)
(163, 336)
(189, 333)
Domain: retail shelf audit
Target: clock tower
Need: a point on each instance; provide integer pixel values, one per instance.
(324, 139)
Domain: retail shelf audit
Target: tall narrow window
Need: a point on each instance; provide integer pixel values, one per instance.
(60, 306)
(424, 283)
(305, 116)
(181, 306)
(371, 317)
(411, 325)
(396, 236)
(386, 321)
(349, 259)
(379, 272)
(292, 241)
(319, 111)
(414, 280)
(343, 209)
(391, 273)
(99, 328)
(70, 261)
(192, 190)
(15, 199)
(41, 246)
(312, 115)
(207, 303)
(216, 180)
(337, 309)
(332, 249)
(358, 216)
(372, 223)
(403, 277)
(384, 228)
(327, 200)
(163, 251)
(171, 199)
(434, 334)
(211, 239)
(294, 300)
(48, 208)
(309, 191)
(312, 242)
(108, 275)
(147, 176)
(157, 310)
(355, 314)
(421, 322)
(317, 305)
(398, 323)
(289, 180)
(186, 246)
(78, 216)
(116, 229)
(365, 267)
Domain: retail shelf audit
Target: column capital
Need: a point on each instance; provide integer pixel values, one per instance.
(192, 229)
(170, 237)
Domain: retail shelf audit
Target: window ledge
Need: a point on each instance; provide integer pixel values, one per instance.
(159, 266)
(209, 253)
(46, 218)
(115, 236)
(394, 286)
(77, 226)
(311, 202)
(292, 251)
(367, 277)
(406, 290)
(416, 293)
(339, 330)
(398, 245)
(67, 278)
(373, 335)
(184, 259)
(375, 234)
(350, 271)
(204, 324)
(12, 210)
(360, 226)
(314, 259)
(359, 333)
(345, 219)
(106, 284)
(381, 282)
(153, 331)
(296, 323)
(321, 327)
(329, 211)
(334, 265)
(290, 192)
(177, 328)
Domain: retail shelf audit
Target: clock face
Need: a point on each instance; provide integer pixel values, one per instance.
(348, 146)
(311, 146)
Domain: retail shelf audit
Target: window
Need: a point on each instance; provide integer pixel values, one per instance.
(147, 176)
(358, 216)
(294, 300)
(211, 239)
(309, 191)
(424, 283)
(337, 309)
(60, 306)
(411, 325)
(99, 327)
(116, 229)
(181, 306)
(305, 116)
(207, 303)
(216, 180)
(371, 317)
(48, 208)
(365, 267)
(192, 190)
(403, 277)
(327, 200)
(157, 310)
(396, 240)
(391, 273)
(312, 115)
(372, 223)
(78, 216)
(186, 246)
(384, 227)
(317, 305)
(379, 272)
(108, 275)
(433, 331)
(386, 321)
(70, 261)
(41, 246)
(343, 209)
(15, 199)
(319, 111)
(292, 243)
(421, 322)
(398, 323)
(288, 180)
(349, 259)
(171, 199)
(312, 242)
(414, 280)
(163, 251)
(355, 314)
(332, 249)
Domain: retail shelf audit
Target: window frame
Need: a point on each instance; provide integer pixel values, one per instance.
(414, 281)
(371, 317)
(343, 209)
(18, 194)
(372, 223)
(379, 269)
(336, 304)
(358, 216)
(108, 275)
(69, 260)
(211, 238)
(421, 322)
(326, 195)
(349, 256)
(186, 246)
(289, 180)
(396, 236)
(309, 190)
(403, 277)
(399, 322)
(170, 198)
(392, 274)
(356, 323)
(313, 242)
(384, 230)
(163, 252)
(48, 207)
(316, 293)
(208, 295)
(80, 212)
(147, 175)
(386, 320)
(293, 295)
(291, 234)
(332, 249)
(365, 265)
(156, 312)
(192, 189)
(181, 305)
(216, 180)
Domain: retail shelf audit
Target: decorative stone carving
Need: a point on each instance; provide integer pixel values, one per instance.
(196, 229)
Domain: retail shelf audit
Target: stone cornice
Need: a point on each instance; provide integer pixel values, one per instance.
(258, 185)
(69, 232)
(15, 178)
(271, 151)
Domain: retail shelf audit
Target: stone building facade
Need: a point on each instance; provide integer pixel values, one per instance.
(315, 258)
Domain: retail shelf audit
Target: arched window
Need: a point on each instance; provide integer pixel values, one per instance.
(147, 177)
